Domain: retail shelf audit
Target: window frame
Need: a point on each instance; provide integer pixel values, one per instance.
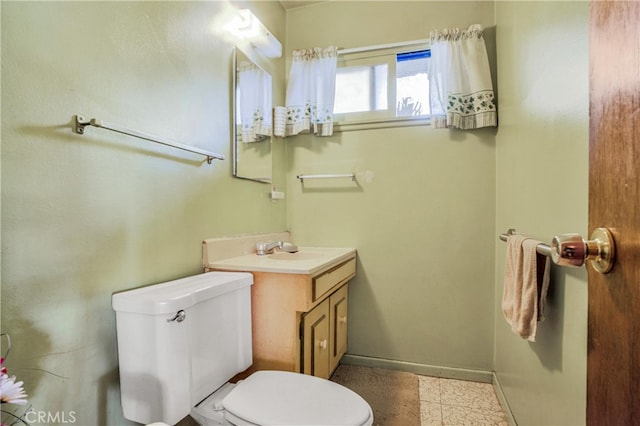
(380, 119)
(367, 61)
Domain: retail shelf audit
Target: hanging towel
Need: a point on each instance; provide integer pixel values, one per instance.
(526, 282)
(279, 121)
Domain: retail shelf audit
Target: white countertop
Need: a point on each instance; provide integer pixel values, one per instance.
(308, 260)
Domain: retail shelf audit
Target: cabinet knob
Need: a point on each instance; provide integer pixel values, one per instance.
(323, 344)
(343, 320)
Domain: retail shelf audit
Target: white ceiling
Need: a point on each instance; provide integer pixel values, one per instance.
(290, 4)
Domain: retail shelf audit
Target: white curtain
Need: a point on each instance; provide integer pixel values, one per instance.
(311, 91)
(254, 99)
(460, 87)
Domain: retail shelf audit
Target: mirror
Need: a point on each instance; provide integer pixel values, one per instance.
(252, 120)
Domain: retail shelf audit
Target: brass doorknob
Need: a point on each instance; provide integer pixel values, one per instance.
(573, 250)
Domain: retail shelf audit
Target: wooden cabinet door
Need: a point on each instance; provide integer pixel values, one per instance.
(338, 331)
(315, 338)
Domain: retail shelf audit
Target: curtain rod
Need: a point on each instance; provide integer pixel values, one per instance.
(382, 46)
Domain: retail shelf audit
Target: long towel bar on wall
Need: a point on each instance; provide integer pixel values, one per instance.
(81, 123)
(352, 176)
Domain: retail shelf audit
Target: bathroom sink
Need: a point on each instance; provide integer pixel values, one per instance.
(307, 260)
(299, 255)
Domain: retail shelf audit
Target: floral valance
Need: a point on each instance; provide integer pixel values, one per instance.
(461, 90)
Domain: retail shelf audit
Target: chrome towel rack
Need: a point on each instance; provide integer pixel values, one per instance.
(302, 177)
(543, 249)
(574, 251)
(81, 123)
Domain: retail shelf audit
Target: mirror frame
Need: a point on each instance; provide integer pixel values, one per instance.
(234, 117)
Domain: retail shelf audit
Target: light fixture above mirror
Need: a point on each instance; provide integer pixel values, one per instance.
(246, 26)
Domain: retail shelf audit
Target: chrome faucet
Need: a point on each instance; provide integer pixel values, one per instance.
(268, 247)
(263, 248)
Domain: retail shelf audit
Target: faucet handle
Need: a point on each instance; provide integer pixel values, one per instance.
(265, 247)
(261, 248)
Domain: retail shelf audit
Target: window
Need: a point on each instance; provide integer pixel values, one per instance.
(361, 88)
(412, 83)
(382, 86)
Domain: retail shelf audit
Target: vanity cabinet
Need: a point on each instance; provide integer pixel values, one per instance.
(324, 334)
(299, 321)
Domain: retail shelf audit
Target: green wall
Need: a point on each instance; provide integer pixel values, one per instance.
(85, 216)
(428, 208)
(542, 190)
(422, 214)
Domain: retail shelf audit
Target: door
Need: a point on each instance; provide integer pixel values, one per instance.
(338, 303)
(613, 365)
(316, 341)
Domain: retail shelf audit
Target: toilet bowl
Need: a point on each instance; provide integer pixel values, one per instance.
(179, 343)
(284, 398)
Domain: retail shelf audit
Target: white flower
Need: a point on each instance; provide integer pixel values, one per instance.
(11, 392)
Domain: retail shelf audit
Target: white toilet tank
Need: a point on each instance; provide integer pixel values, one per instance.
(179, 341)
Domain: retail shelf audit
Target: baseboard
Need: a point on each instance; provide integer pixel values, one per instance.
(422, 369)
(502, 399)
(436, 371)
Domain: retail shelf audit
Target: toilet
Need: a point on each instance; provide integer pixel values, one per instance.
(180, 342)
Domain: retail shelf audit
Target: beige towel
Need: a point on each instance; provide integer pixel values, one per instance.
(526, 281)
(279, 121)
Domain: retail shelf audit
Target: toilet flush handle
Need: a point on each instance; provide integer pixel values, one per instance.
(179, 317)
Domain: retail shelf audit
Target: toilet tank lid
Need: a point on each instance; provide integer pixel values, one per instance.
(179, 294)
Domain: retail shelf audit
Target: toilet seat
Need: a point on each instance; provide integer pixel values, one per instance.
(285, 398)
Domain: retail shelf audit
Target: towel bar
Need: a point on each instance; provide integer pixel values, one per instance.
(302, 177)
(81, 123)
(572, 250)
(543, 249)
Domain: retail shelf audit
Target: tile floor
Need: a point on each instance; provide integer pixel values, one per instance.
(457, 402)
